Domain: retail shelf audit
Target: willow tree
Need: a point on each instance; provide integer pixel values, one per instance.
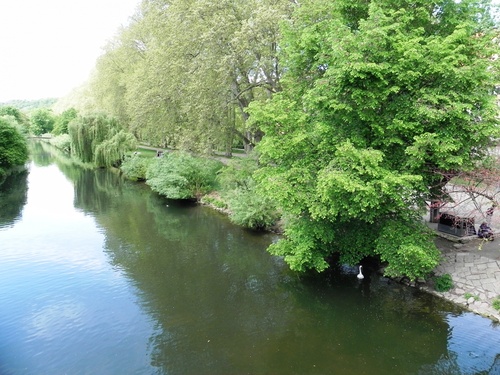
(378, 102)
(99, 139)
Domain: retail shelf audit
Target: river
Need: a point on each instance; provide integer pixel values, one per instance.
(102, 276)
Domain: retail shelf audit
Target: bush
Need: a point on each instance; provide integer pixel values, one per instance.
(248, 208)
(443, 283)
(135, 167)
(251, 210)
(180, 175)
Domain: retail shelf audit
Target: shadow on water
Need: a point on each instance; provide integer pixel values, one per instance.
(13, 195)
(219, 303)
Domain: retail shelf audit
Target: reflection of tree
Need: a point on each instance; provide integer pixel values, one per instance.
(39, 154)
(96, 190)
(13, 195)
(222, 304)
(215, 294)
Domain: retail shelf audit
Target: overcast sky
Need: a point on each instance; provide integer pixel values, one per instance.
(49, 47)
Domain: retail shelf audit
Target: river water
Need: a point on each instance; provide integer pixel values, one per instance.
(102, 276)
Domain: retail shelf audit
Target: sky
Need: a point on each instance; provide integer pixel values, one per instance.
(49, 47)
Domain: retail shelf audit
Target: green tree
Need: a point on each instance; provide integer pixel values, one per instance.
(376, 105)
(13, 147)
(61, 121)
(99, 139)
(42, 121)
(16, 118)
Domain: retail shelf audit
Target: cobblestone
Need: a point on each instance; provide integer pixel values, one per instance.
(475, 272)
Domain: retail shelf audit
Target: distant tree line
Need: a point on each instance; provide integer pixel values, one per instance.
(29, 105)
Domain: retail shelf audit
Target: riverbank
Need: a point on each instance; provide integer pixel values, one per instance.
(474, 266)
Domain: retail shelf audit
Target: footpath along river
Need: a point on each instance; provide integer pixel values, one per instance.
(101, 276)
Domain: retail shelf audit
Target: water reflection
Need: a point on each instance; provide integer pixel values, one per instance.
(123, 281)
(13, 193)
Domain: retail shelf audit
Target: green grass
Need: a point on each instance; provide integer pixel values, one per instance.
(469, 295)
(146, 153)
(496, 303)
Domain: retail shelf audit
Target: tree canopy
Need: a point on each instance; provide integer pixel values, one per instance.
(375, 104)
(183, 72)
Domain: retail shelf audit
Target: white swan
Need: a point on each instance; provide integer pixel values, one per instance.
(360, 274)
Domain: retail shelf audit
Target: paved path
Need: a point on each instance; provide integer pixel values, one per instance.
(474, 266)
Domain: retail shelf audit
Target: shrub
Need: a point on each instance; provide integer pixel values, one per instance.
(180, 175)
(250, 209)
(134, 167)
(443, 283)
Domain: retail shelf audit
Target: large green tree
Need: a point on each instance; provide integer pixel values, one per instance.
(379, 99)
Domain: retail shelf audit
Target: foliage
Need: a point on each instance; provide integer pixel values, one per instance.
(13, 147)
(62, 121)
(111, 152)
(179, 175)
(376, 104)
(193, 67)
(496, 303)
(16, 118)
(250, 209)
(134, 167)
(99, 139)
(407, 248)
(247, 206)
(238, 173)
(62, 142)
(42, 121)
(443, 283)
